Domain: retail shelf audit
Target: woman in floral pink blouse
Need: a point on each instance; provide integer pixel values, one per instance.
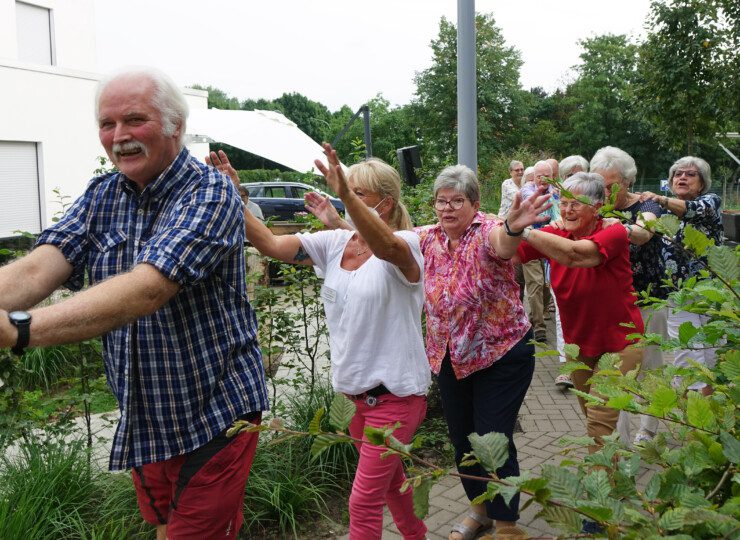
(477, 331)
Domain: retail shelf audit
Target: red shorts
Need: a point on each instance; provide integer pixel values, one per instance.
(199, 495)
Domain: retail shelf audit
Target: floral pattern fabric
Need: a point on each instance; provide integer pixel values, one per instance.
(508, 191)
(648, 266)
(471, 299)
(704, 214)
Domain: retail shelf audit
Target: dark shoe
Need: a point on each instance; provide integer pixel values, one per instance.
(540, 335)
(591, 527)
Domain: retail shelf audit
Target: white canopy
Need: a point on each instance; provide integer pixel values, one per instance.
(265, 133)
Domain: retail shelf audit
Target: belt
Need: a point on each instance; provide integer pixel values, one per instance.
(370, 397)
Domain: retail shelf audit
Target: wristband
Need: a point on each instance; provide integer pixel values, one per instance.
(509, 232)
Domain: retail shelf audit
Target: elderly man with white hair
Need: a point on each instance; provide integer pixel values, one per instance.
(160, 243)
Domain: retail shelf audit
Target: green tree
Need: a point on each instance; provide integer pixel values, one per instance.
(688, 70)
(500, 99)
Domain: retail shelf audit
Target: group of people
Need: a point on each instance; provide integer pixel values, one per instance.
(159, 243)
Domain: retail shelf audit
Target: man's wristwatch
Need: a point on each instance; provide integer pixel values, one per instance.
(22, 321)
(526, 232)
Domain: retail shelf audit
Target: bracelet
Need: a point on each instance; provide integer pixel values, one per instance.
(509, 232)
(664, 202)
(526, 232)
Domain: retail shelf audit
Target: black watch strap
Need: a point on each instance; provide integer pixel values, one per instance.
(22, 321)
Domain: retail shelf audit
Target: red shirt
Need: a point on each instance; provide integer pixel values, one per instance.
(593, 302)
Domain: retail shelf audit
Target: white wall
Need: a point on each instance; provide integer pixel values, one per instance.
(73, 24)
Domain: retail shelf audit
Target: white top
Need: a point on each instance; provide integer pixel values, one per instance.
(508, 190)
(374, 318)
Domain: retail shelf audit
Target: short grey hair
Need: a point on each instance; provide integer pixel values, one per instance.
(570, 163)
(589, 184)
(168, 99)
(514, 163)
(543, 162)
(705, 171)
(613, 158)
(460, 178)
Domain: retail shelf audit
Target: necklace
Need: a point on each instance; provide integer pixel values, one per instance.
(359, 251)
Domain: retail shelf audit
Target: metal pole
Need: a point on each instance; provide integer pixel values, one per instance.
(368, 138)
(467, 121)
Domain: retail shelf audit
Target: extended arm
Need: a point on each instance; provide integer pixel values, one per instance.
(110, 304)
(675, 206)
(286, 248)
(29, 280)
(379, 237)
(571, 253)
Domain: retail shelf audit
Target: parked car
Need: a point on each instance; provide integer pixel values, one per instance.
(283, 199)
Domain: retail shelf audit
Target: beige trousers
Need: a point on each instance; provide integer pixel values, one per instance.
(601, 420)
(534, 280)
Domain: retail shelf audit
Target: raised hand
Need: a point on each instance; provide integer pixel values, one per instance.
(333, 172)
(222, 163)
(321, 207)
(527, 212)
(650, 196)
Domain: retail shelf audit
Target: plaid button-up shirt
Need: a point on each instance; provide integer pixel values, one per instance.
(186, 372)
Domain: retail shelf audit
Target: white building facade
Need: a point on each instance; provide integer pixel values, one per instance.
(48, 134)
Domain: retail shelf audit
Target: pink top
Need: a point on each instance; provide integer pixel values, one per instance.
(471, 299)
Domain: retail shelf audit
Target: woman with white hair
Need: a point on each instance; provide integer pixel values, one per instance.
(572, 165)
(592, 279)
(689, 179)
(618, 169)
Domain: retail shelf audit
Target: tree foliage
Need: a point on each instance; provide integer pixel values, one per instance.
(688, 68)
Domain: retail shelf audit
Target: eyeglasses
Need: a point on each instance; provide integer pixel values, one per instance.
(689, 174)
(518, 170)
(455, 204)
(574, 205)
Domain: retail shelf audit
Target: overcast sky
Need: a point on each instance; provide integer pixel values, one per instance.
(339, 51)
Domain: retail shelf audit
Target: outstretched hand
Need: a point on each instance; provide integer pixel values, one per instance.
(524, 213)
(222, 163)
(333, 172)
(650, 196)
(320, 206)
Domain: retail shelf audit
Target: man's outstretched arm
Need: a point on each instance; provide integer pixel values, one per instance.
(110, 304)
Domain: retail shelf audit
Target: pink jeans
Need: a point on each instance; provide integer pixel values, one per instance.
(378, 480)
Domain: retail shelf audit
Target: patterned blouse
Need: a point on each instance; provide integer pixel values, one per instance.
(648, 266)
(508, 191)
(471, 299)
(704, 214)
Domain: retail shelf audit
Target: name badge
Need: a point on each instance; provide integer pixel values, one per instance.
(328, 294)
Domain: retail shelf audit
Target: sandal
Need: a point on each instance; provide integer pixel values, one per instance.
(563, 381)
(469, 533)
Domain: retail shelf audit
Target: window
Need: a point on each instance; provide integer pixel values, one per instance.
(299, 192)
(277, 192)
(19, 188)
(34, 29)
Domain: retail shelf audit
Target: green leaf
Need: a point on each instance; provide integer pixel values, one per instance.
(695, 458)
(667, 224)
(561, 518)
(341, 412)
(653, 487)
(597, 485)
(571, 350)
(421, 497)
(724, 262)
(492, 490)
(322, 442)
(730, 365)
(314, 427)
(620, 402)
(672, 519)
(375, 435)
(696, 241)
(731, 447)
(491, 449)
(663, 401)
(699, 412)
(508, 492)
(608, 361)
(596, 512)
(685, 332)
(588, 398)
(571, 365)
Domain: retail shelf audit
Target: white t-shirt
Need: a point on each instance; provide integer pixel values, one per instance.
(374, 318)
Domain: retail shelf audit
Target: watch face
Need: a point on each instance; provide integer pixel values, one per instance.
(19, 316)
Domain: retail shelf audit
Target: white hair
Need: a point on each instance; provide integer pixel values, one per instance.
(589, 184)
(570, 163)
(613, 158)
(168, 99)
(705, 171)
(544, 162)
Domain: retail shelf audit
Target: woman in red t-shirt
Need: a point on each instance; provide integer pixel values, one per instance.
(592, 279)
